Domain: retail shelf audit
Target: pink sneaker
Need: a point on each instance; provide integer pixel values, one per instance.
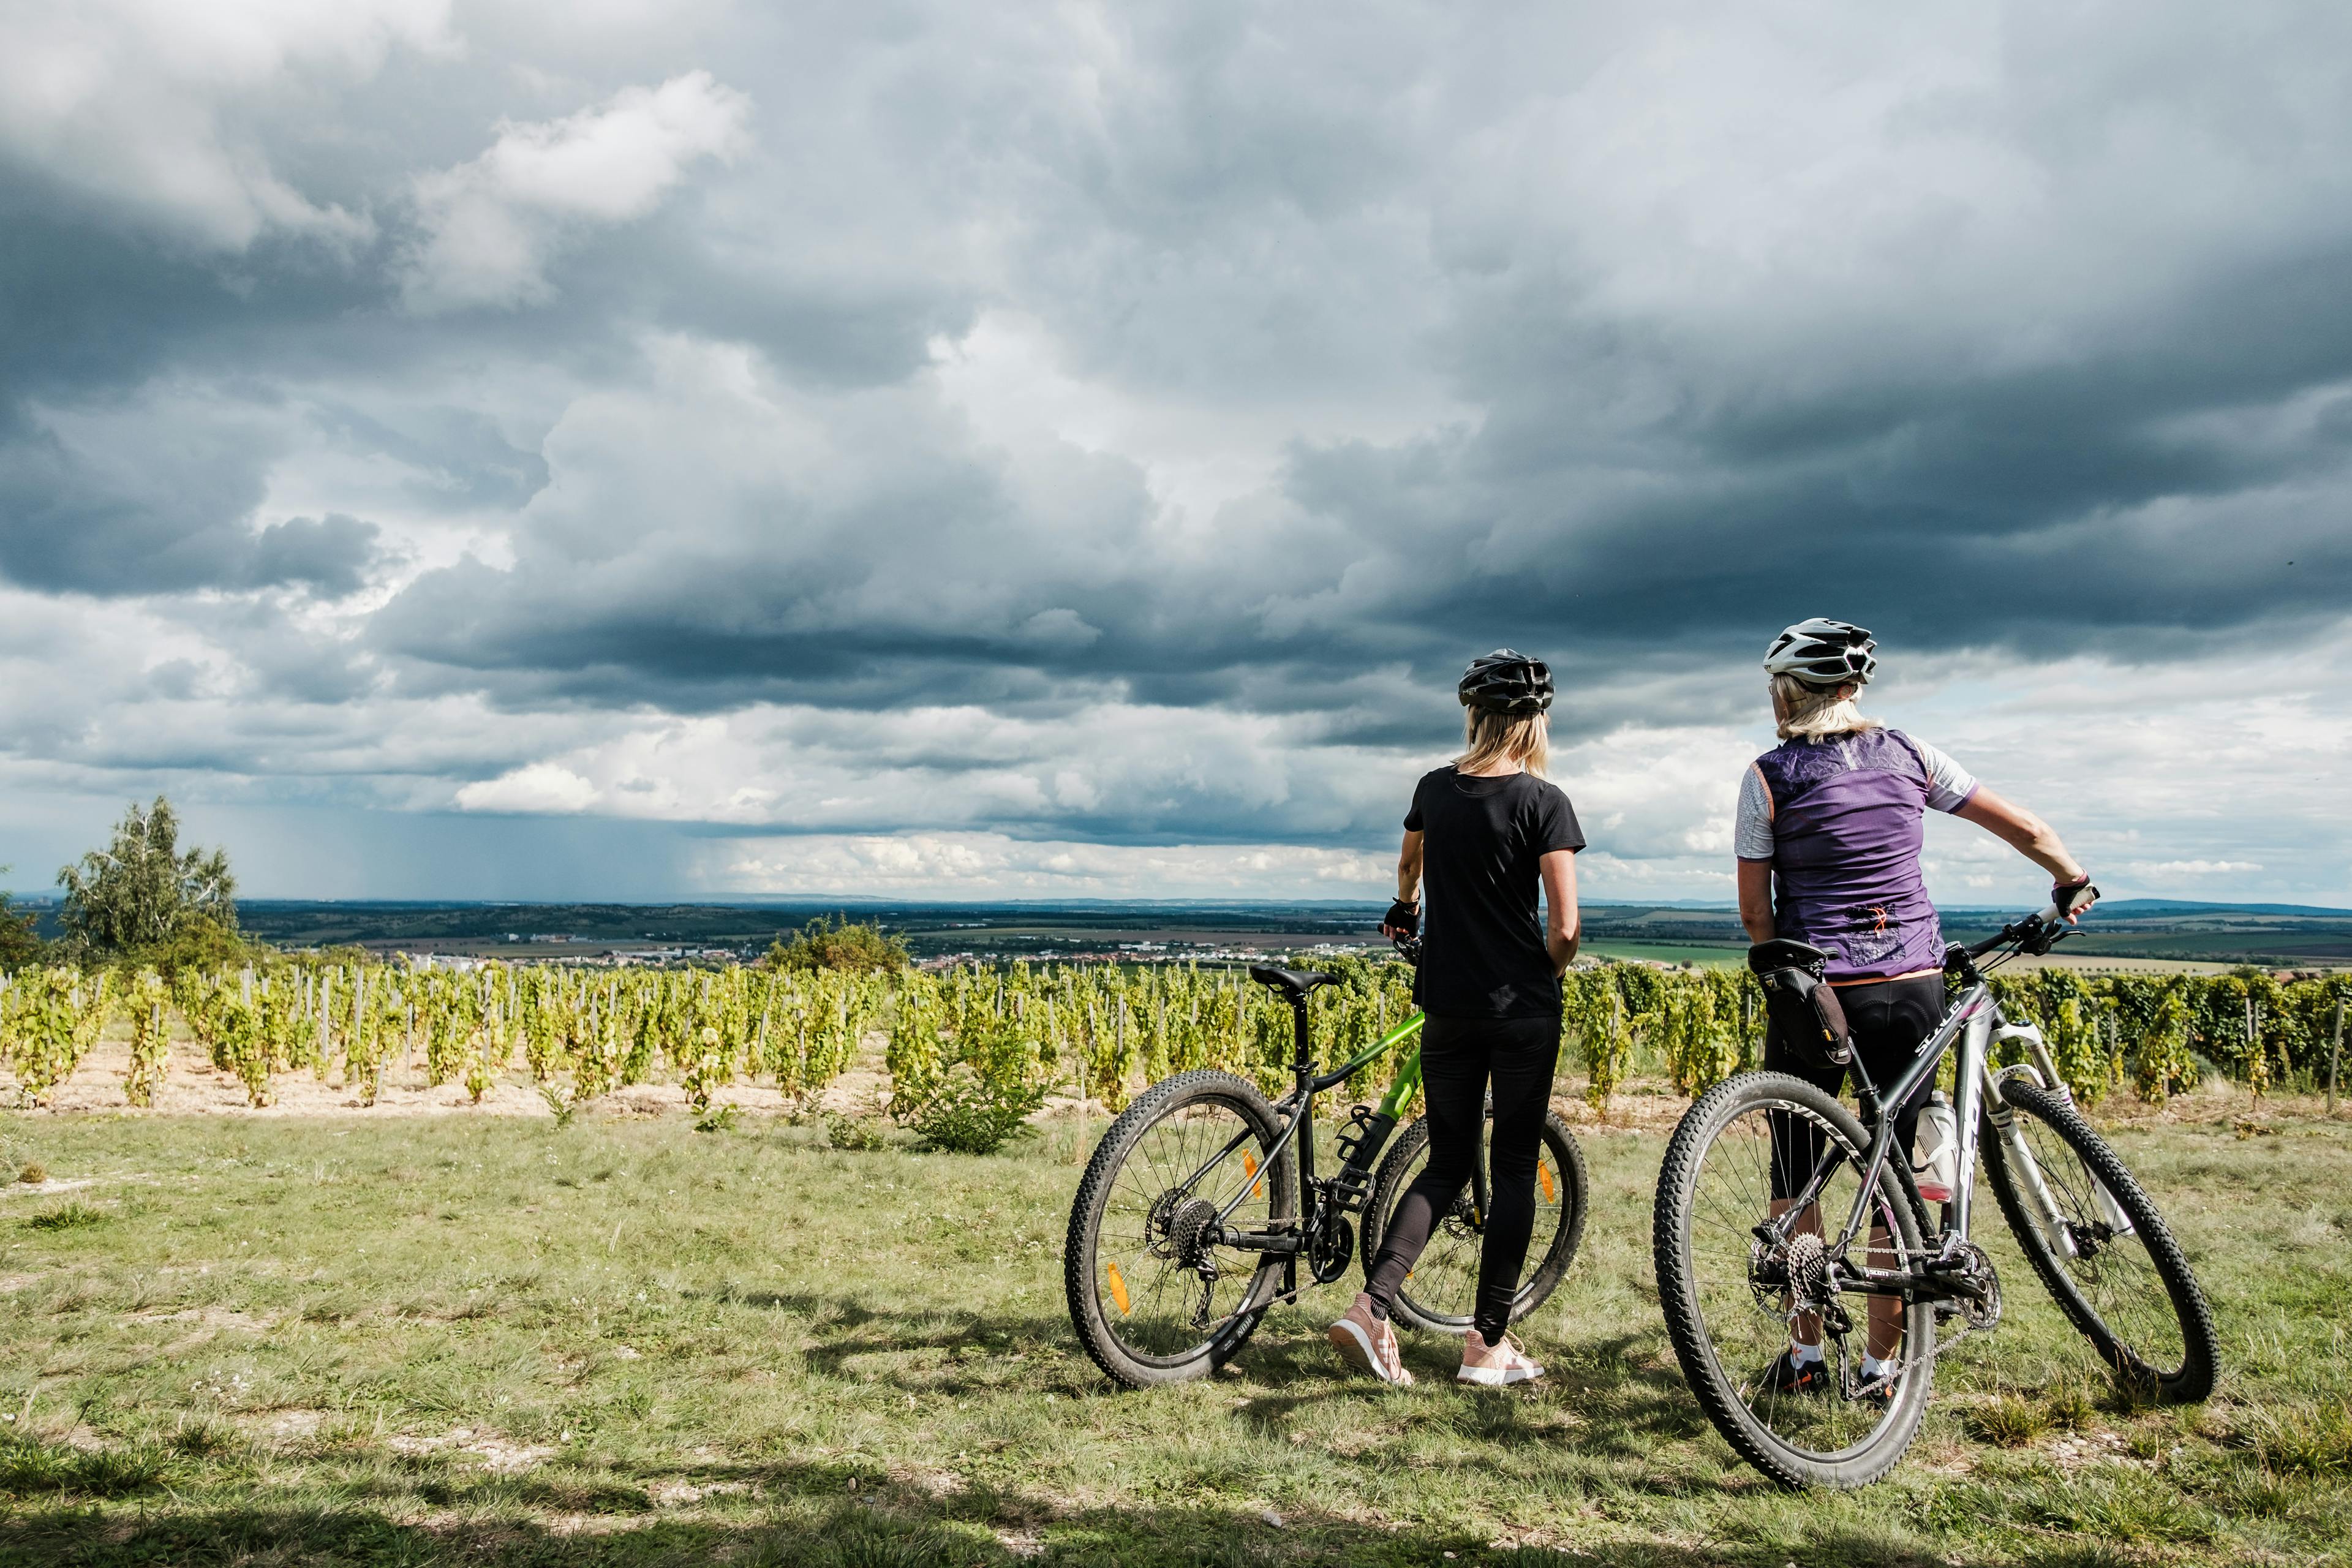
(1368, 1343)
(1495, 1366)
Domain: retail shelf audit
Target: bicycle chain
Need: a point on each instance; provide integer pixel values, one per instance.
(1971, 1325)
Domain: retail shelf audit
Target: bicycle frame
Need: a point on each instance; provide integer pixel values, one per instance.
(1971, 1025)
(1297, 1111)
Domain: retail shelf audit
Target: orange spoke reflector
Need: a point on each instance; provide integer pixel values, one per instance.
(1118, 1287)
(1249, 1167)
(1543, 1174)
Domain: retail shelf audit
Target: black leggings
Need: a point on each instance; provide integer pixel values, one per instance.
(1890, 1020)
(1457, 1057)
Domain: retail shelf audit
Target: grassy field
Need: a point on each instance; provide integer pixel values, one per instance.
(450, 1339)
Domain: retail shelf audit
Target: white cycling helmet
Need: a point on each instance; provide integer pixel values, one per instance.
(1823, 654)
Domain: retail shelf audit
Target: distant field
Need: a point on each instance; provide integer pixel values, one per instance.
(2128, 930)
(1665, 952)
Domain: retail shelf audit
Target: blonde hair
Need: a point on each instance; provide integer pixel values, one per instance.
(1816, 714)
(1488, 738)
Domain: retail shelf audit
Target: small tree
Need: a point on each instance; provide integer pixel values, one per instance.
(838, 945)
(143, 893)
(20, 945)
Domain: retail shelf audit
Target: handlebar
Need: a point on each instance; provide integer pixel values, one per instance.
(2047, 928)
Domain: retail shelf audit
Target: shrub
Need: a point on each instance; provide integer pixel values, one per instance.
(839, 945)
(67, 1216)
(149, 1043)
(968, 1112)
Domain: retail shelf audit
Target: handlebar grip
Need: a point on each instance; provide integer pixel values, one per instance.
(2077, 899)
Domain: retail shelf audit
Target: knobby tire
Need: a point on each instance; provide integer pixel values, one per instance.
(2192, 1378)
(1719, 1388)
(1107, 1175)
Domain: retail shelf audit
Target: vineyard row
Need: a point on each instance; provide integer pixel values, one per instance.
(1102, 1031)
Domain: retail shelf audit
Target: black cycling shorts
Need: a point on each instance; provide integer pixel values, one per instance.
(1891, 1019)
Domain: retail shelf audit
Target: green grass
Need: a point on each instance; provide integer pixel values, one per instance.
(444, 1339)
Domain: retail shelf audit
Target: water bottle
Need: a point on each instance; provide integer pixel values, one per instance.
(1936, 1150)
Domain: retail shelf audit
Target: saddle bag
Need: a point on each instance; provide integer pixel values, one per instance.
(1801, 1003)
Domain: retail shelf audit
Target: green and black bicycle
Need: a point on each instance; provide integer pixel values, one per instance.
(1202, 1203)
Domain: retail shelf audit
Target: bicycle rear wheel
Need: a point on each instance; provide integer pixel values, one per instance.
(1733, 1304)
(1153, 1298)
(2111, 1262)
(1440, 1293)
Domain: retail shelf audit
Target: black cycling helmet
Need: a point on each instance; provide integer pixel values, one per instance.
(1823, 654)
(1507, 681)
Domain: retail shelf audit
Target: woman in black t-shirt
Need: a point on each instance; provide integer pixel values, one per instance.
(1483, 835)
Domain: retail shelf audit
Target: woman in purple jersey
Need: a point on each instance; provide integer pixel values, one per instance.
(1831, 823)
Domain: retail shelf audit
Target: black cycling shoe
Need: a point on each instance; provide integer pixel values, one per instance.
(1880, 1399)
(1786, 1376)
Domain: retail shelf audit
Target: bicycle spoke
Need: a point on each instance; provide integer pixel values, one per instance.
(1170, 1307)
(1443, 1284)
(1750, 1326)
(2115, 1274)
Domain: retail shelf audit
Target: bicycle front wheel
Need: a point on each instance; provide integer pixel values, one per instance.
(1735, 1300)
(2101, 1247)
(1441, 1294)
(1153, 1296)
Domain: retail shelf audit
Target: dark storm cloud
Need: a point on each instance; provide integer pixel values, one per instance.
(1261, 366)
(329, 554)
(169, 519)
(1625, 481)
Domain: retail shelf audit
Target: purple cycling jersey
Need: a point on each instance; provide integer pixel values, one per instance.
(1846, 831)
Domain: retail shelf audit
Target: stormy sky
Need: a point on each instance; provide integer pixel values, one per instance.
(632, 450)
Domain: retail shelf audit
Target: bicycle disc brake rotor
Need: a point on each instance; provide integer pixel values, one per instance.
(1461, 1220)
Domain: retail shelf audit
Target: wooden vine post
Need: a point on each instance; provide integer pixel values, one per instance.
(2335, 1052)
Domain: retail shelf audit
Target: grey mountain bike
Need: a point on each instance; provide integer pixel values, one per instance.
(1740, 1272)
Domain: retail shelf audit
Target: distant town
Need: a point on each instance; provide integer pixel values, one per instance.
(2279, 937)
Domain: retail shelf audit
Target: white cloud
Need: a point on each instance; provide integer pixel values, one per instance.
(539, 788)
(131, 100)
(492, 224)
(990, 865)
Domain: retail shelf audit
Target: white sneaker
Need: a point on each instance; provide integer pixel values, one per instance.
(1495, 1366)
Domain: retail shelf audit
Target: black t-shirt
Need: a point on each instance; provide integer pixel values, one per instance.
(1483, 953)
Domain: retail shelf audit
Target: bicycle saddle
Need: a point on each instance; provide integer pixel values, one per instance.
(1296, 984)
(1785, 952)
